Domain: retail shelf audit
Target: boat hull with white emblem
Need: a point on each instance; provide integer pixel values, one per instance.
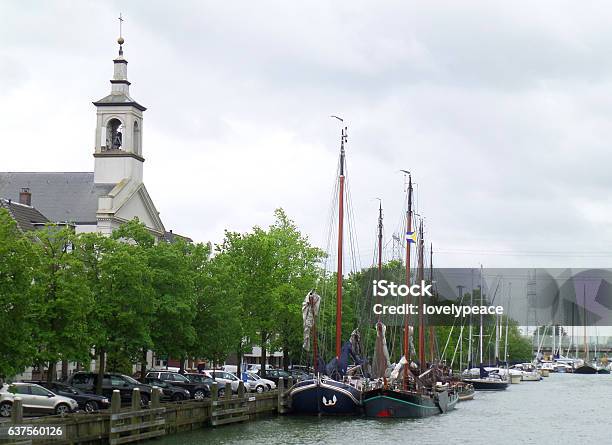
(325, 396)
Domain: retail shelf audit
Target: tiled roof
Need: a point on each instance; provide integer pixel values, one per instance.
(25, 216)
(61, 197)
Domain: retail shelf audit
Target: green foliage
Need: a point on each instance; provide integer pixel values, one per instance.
(64, 295)
(218, 313)
(61, 298)
(16, 274)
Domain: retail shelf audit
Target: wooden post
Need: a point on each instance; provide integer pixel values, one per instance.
(241, 390)
(136, 400)
(116, 402)
(155, 395)
(115, 409)
(228, 390)
(214, 392)
(17, 410)
(281, 391)
(286, 400)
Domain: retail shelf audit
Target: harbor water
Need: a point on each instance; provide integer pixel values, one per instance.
(563, 408)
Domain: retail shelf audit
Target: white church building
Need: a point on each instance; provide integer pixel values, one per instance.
(114, 192)
(98, 201)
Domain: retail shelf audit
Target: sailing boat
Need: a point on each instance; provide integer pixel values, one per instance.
(405, 395)
(485, 380)
(324, 394)
(586, 367)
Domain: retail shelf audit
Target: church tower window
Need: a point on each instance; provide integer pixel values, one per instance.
(114, 134)
(137, 142)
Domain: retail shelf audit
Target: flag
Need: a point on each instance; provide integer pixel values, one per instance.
(411, 237)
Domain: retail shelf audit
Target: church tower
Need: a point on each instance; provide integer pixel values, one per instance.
(118, 146)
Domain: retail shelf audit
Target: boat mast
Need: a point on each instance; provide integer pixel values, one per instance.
(471, 325)
(406, 323)
(380, 240)
(481, 303)
(315, 343)
(431, 328)
(343, 139)
(420, 278)
(586, 348)
(460, 288)
(507, 322)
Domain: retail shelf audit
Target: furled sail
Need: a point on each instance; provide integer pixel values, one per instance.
(310, 310)
(381, 353)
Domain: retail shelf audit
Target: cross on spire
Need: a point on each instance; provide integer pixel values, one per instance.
(120, 40)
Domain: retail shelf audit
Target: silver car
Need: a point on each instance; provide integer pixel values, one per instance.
(223, 377)
(269, 384)
(35, 399)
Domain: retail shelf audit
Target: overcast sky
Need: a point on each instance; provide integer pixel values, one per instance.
(501, 110)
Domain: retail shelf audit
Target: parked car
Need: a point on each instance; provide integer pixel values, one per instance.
(169, 392)
(269, 383)
(231, 368)
(223, 377)
(86, 381)
(255, 367)
(299, 374)
(254, 384)
(275, 375)
(87, 402)
(198, 391)
(35, 399)
(204, 379)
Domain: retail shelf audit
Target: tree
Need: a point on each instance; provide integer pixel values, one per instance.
(294, 274)
(172, 330)
(61, 300)
(119, 276)
(16, 275)
(218, 321)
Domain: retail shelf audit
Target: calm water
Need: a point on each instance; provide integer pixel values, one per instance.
(563, 408)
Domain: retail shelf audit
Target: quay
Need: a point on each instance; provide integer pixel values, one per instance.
(120, 425)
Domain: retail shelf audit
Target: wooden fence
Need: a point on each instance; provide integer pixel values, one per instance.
(126, 425)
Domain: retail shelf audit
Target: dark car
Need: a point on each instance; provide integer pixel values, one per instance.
(169, 392)
(205, 380)
(298, 375)
(198, 391)
(275, 375)
(86, 381)
(87, 402)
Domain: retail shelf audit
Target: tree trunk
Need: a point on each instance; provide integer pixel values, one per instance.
(64, 369)
(182, 365)
(286, 358)
(51, 372)
(264, 361)
(239, 362)
(143, 363)
(101, 360)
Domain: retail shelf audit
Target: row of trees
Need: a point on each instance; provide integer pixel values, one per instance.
(67, 297)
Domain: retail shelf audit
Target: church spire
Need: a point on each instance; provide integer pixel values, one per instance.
(118, 149)
(120, 83)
